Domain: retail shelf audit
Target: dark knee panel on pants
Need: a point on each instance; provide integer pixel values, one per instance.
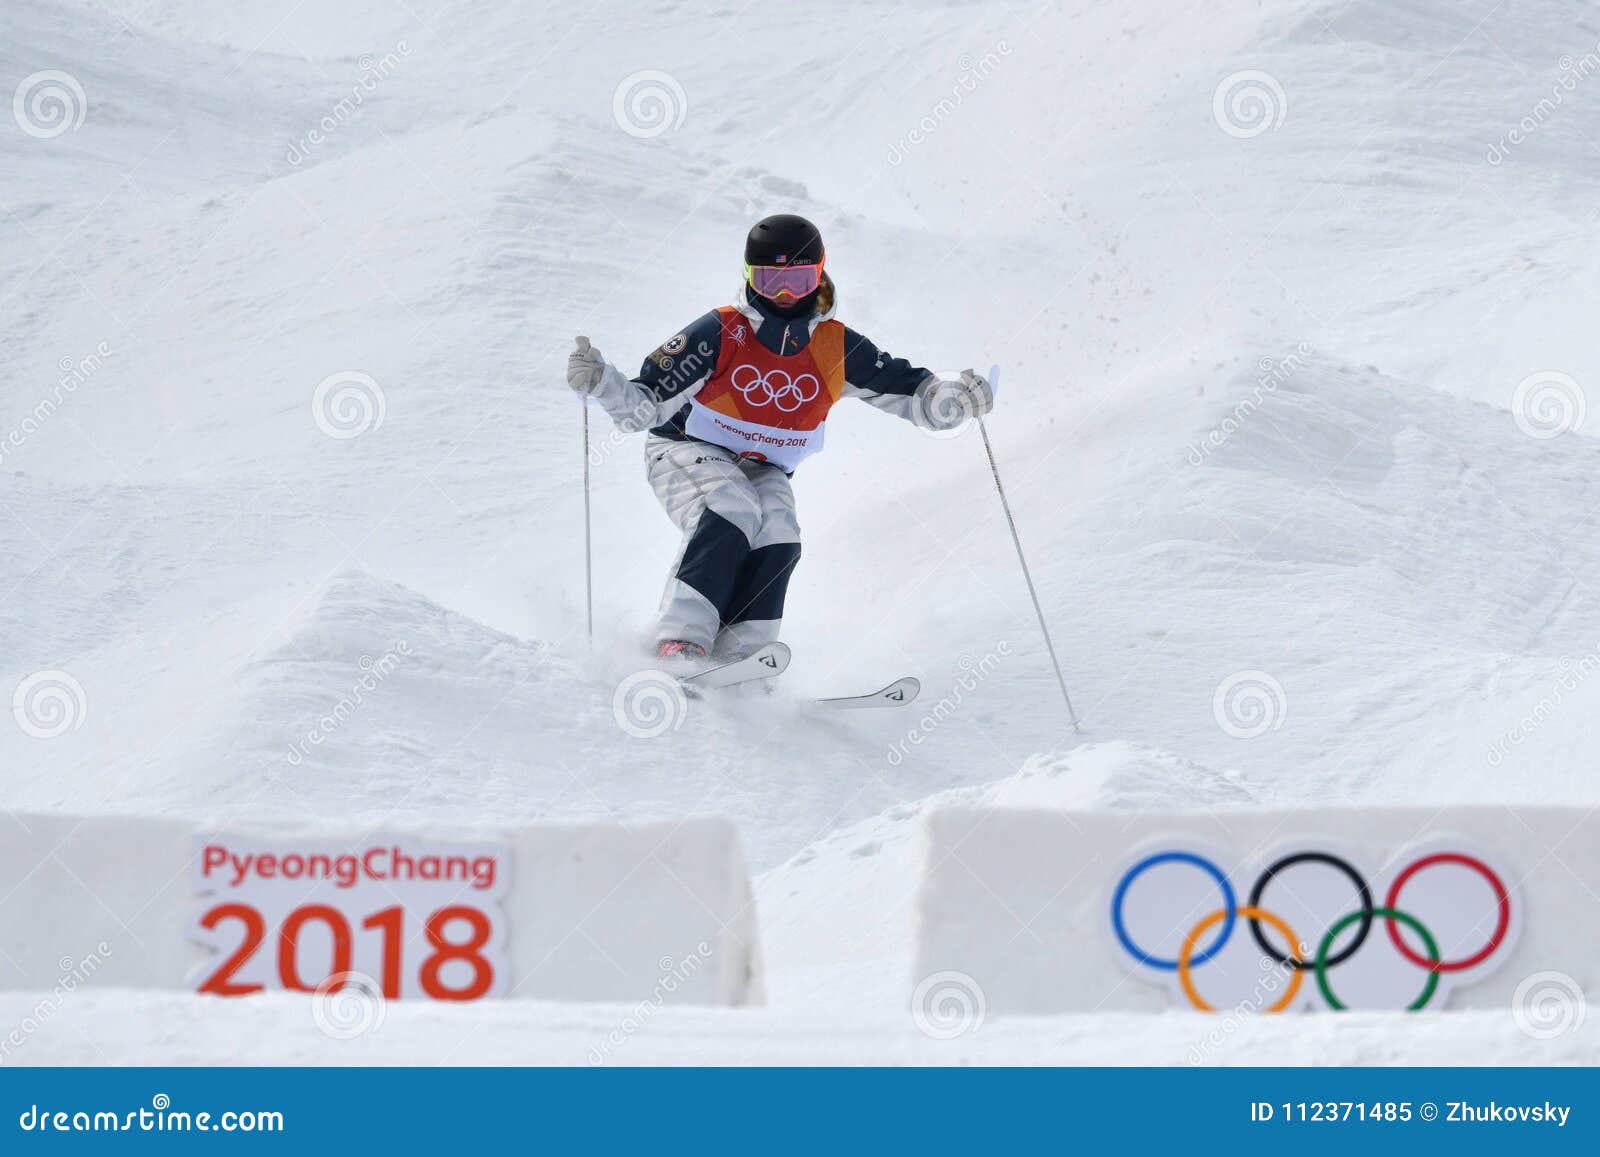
(713, 560)
(763, 583)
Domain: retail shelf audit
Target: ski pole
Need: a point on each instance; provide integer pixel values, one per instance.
(1005, 504)
(588, 552)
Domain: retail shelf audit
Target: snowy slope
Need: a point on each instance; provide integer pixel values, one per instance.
(280, 1030)
(1376, 531)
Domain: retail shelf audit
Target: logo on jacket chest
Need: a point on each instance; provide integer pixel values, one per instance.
(774, 388)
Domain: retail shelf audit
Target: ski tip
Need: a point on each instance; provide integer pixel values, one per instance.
(774, 656)
(896, 694)
(764, 662)
(904, 690)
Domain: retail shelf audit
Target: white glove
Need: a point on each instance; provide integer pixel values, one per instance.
(585, 368)
(948, 404)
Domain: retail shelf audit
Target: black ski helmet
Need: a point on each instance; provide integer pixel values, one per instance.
(784, 239)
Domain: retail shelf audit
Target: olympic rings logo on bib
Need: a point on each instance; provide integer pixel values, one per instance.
(775, 387)
(1449, 917)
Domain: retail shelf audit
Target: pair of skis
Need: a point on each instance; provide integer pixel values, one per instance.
(771, 661)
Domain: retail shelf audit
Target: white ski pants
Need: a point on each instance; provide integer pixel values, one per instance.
(741, 542)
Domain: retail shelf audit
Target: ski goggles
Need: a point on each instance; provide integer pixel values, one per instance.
(778, 281)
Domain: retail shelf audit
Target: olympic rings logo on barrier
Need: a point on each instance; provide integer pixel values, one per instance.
(1329, 950)
(775, 387)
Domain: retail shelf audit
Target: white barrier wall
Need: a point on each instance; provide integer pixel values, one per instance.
(1046, 912)
(658, 913)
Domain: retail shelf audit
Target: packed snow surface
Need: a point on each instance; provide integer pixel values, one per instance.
(1292, 387)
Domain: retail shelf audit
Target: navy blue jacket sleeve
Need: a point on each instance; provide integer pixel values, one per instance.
(666, 380)
(871, 370)
(884, 381)
(684, 360)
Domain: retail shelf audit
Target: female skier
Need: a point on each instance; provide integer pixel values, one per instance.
(732, 404)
